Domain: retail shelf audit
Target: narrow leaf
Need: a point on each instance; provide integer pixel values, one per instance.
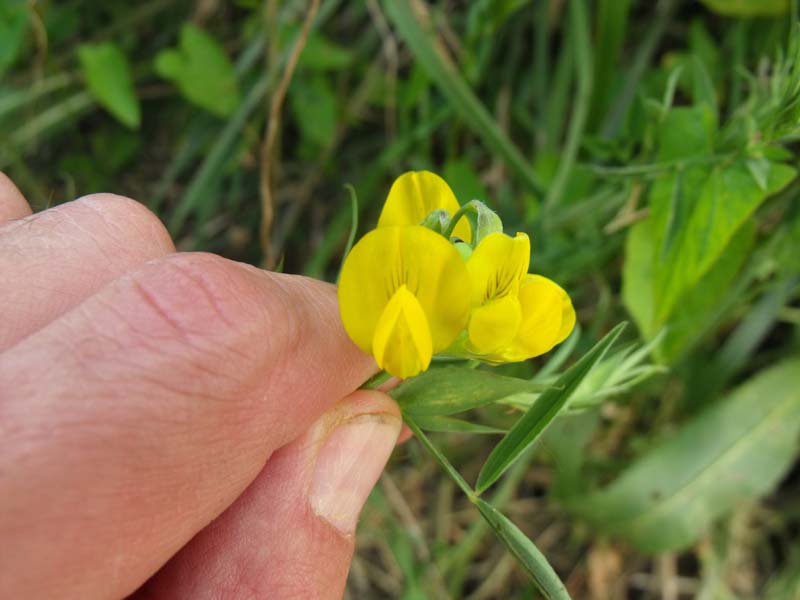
(452, 425)
(525, 551)
(450, 390)
(543, 411)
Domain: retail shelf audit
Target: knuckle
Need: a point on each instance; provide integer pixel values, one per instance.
(125, 215)
(222, 308)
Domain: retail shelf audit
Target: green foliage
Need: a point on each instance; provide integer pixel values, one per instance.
(541, 414)
(684, 253)
(524, 551)
(449, 390)
(201, 70)
(13, 26)
(748, 8)
(733, 452)
(316, 111)
(109, 79)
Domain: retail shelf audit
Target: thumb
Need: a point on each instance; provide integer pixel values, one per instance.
(291, 534)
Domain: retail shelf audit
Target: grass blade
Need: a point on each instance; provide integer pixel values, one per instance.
(525, 551)
(541, 413)
(450, 82)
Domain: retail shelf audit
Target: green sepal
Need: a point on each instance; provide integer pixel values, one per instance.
(437, 220)
(484, 221)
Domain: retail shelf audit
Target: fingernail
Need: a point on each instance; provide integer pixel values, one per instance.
(348, 465)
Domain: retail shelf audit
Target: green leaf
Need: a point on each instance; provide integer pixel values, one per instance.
(714, 205)
(452, 425)
(733, 452)
(748, 8)
(524, 550)
(449, 390)
(201, 70)
(698, 307)
(13, 26)
(695, 212)
(108, 77)
(541, 413)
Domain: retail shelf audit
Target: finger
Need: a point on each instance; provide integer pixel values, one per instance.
(12, 203)
(290, 535)
(51, 261)
(132, 421)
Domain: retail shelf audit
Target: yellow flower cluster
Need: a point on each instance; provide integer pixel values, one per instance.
(428, 281)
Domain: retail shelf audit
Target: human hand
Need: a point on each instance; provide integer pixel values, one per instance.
(172, 425)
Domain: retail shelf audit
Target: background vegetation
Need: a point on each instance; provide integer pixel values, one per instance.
(650, 148)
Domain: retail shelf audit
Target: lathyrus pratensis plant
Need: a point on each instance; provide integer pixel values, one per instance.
(438, 279)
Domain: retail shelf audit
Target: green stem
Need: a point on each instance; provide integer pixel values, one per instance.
(376, 381)
(461, 212)
(440, 457)
(579, 25)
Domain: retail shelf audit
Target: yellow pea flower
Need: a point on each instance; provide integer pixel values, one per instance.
(404, 295)
(515, 315)
(547, 319)
(496, 269)
(414, 195)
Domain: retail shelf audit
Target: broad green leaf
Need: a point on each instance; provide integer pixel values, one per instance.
(108, 77)
(687, 132)
(525, 551)
(748, 8)
(201, 70)
(695, 211)
(697, 308)
(733, 452)
(13, 26)
(452, 425)
(541, 413)
(710, 211)
(449, 390)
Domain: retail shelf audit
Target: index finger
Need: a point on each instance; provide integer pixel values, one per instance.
(131, 422)
(12, 203)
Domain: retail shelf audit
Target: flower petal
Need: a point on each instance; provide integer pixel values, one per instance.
(497, 266)
(547, 319)
(424, 261)
(494, 325)
(402, 344)
(412, 198)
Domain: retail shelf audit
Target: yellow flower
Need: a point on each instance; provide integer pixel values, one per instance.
(414, 195)
(547, 319)
(404, 295)
(515, 315)
(496, 268)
